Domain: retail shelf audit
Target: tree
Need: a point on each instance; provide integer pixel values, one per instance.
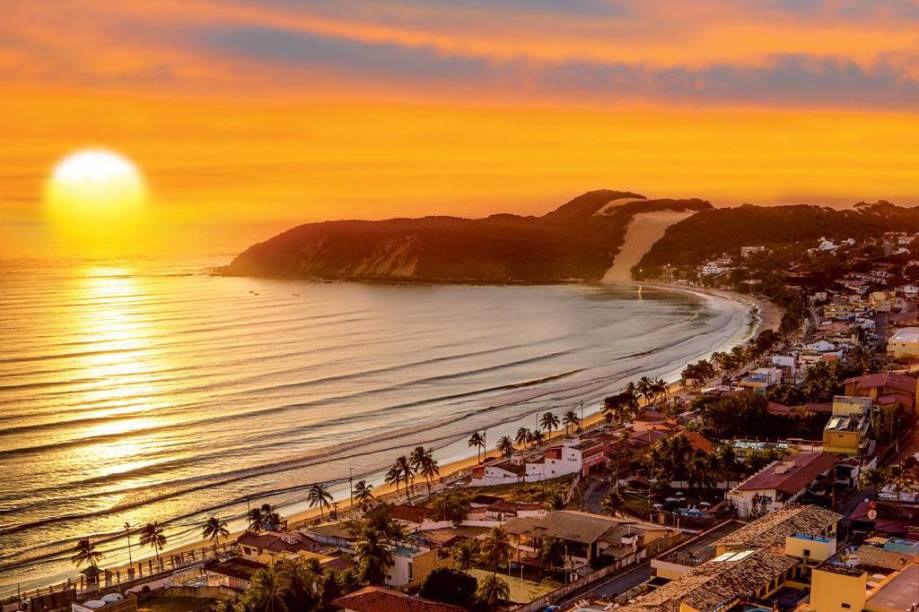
(394, 476)
(213, 530)
(821, 382)
(407, 473)
(644, 387)
(266, 592)
(85, 553)
(523, 436)
(453, 506)
(363, 493)
(556, 501)
(152, 535)
(613, 501)
(300, 580)
(538, 438)
(318, 495)
(256, 520)
(271, 519)
(477, 440)
(449, 586)
(874, 478)
(495, 549)
(571, 420)
(549, 422)
(374, 559)
(429, 468)
(464, 554)
(329, 586)
(417, 459)
(551, 552)
(491, 590)
(505, 446)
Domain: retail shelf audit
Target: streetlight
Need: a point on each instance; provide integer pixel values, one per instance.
(351, 488)
(127, 532)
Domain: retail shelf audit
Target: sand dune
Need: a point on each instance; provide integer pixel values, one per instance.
(643, 231)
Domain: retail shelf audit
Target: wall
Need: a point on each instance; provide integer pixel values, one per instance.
(831, 590)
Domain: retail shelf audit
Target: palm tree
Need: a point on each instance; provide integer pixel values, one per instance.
(463, 555)
(613, 501)
(300, 579)
(549, 421)
(86, 553)
(478, 441)
(424, 463)
(319, 495)
(256, 520)
(505, 446)
(271, 520)
(374, 559)
(213, 530)
(644, 388)
(659, 388)
(571, 420)
(495, 549)
(408, 475)
(267, 591)
(394, 476)
(491, 590)
(152, 535)
(363, 493)
(522, 437)
(538, 438)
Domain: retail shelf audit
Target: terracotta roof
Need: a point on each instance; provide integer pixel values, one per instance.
(237, 567)
(274, 542)
(698, 441)
(378, 599)
(716, 582)
(772, 529)
(898, 594)
(790, 475)
(889, 380)
(875, 556)
(409, 514)
(568, 525)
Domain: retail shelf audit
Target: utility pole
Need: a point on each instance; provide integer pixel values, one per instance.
(581, 404)
(351, 488)
(127, 531)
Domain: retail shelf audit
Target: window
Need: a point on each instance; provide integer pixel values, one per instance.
(846, 606)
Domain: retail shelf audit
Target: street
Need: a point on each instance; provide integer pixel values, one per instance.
(613, 585)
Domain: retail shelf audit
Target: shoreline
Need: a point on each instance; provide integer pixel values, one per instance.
(762, 314)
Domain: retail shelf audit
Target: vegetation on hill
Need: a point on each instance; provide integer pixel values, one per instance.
(576, 242)
(717, 230)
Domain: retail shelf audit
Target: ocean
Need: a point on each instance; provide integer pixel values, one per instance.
(133, 391)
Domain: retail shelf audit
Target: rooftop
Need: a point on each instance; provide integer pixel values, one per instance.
(702, 547)
(772, 529)
(889, 380)
(790, 475)
(900, 593)
(237, 567)
(379, 599)
(567, 525)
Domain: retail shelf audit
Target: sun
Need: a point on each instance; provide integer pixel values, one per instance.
(95, 194)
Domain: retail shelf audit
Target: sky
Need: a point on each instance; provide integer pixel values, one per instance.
(249, 117)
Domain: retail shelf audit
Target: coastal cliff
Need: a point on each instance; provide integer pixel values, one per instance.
(576, 242)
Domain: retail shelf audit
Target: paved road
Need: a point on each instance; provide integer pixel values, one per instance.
(613, 585)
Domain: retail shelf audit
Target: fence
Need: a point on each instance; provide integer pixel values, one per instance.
(125, 577)
(588, 580)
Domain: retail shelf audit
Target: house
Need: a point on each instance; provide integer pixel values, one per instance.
(780, 483)
(839, 587)
(760, 379)
(412, 563)
(378, 599)
(753, 563)
(846, 432)
(269, 546)
(499, 472)
(235, 573)
(586, 536)
(904, 344)
(885, 387)
(417, 518)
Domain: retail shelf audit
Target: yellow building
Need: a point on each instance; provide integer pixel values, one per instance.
(904, 345)
(846, 433)
(837, 589)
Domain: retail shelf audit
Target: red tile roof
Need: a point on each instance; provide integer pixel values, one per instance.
(699, 442)
(887, 380)
(378, 599)
(409, 514)
(790, 475)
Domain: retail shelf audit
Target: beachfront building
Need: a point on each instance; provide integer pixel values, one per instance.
(412, 564)
(780, 483)
(270, 546)
(378, 599)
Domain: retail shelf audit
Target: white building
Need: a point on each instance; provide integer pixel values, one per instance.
(780, 483)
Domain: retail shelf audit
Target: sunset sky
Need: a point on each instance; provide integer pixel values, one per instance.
(246, 118)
